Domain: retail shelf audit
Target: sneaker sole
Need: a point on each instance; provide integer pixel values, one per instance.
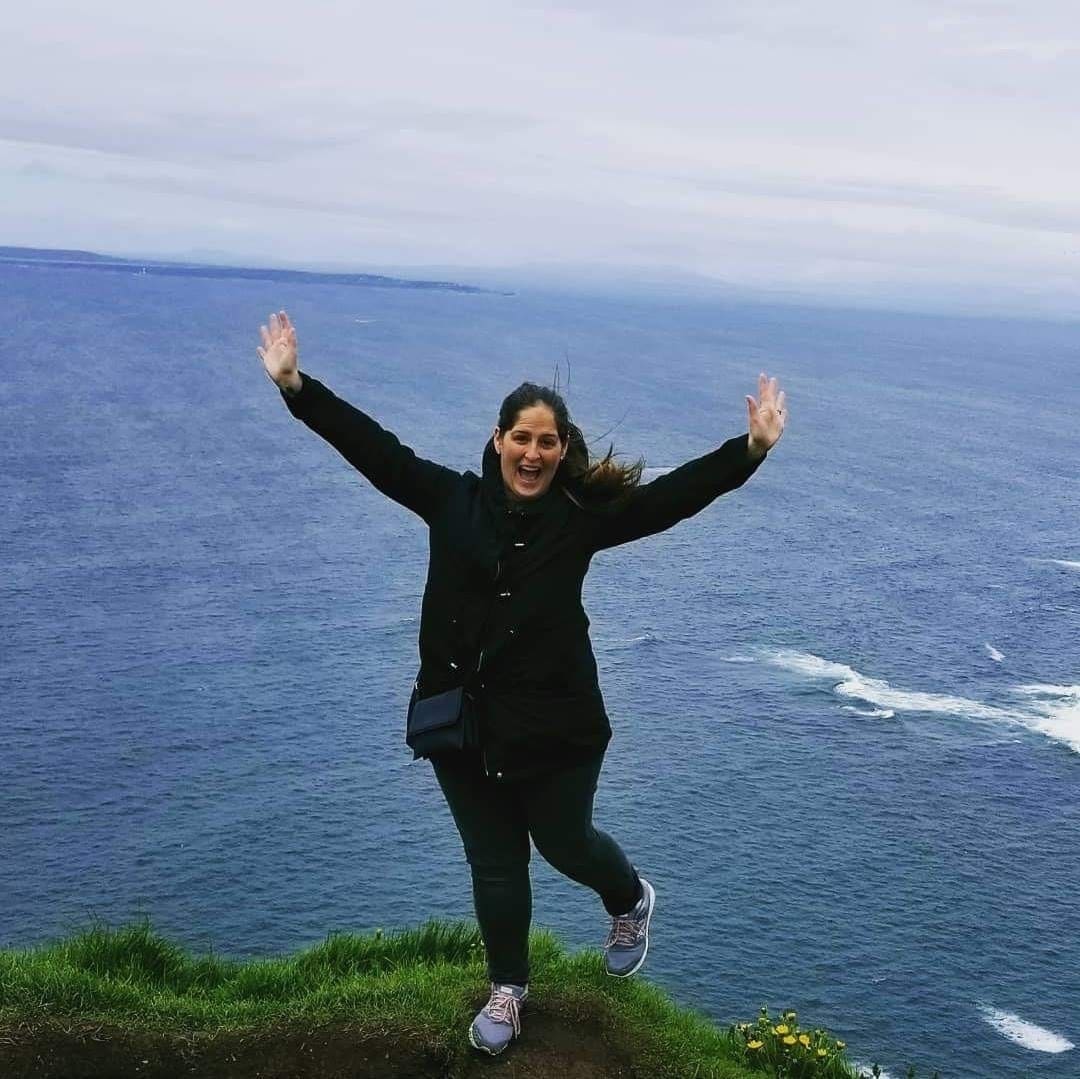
(648, 921)
(484, 1048)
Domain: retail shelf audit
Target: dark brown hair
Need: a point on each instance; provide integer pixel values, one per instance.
(599, 481)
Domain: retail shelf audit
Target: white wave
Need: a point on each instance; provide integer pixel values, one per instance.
(850, 683)
(632, 642)
(1037, 689)
(1053, 710)
(1064, 562)
(873, 713)
(1024, 1033)
(365, 321)
(1057, 711)
(994, 654)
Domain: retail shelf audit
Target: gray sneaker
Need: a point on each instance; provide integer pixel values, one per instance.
(628, 942)
(499, 1021)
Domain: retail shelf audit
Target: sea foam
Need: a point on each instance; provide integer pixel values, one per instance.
(1024, 1033)
(1057, 711)
(642, 640)
(1051, 710)
(992, 652)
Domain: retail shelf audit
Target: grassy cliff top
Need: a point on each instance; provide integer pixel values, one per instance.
(127, 1002)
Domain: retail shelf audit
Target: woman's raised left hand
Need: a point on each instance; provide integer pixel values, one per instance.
(767, 415)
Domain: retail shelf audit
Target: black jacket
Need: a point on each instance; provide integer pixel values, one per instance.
(504, 578)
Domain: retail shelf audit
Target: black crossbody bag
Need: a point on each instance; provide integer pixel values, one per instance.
(451, 720)
(448, 721)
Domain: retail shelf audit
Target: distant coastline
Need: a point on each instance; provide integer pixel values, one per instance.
(90, 260)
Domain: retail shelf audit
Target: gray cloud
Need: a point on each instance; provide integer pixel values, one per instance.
(981, 204)
(767, 20)
(245, 135)
(774, 143)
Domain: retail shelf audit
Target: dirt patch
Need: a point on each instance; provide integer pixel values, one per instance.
(551, 1045)
(57, 1050)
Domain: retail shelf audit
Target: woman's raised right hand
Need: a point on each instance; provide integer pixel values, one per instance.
(279, 353)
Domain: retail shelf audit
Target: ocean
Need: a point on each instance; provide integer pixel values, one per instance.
(845, 697)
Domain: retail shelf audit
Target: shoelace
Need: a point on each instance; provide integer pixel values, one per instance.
(504, 1008)
(626, 929)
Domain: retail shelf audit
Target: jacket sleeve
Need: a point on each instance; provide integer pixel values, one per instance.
(419, 485)
(680, 493)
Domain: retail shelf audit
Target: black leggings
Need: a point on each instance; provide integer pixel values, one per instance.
(496, 818)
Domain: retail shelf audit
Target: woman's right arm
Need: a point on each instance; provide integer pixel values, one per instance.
(395, 470)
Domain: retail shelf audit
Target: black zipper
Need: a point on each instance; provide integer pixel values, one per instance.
(479, 664)
(483, 753)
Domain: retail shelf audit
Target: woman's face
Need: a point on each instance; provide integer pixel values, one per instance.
(529, 452)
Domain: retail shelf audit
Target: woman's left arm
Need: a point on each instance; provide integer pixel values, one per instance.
(688, 489)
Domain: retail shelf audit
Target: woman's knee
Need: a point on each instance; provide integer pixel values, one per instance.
(500, 873)
(563, 850)
(504, 860)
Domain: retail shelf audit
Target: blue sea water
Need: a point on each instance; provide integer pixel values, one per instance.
(846, 697)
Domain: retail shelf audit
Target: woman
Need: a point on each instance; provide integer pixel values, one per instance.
(502, 608)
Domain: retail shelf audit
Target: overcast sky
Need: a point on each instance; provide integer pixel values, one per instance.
(844, 148)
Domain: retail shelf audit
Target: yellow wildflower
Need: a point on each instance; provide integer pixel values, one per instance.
(781, 1029)
(755, 1044)
(789, 1040)
(840, 1045)
(823, 1052)
(804, 1038)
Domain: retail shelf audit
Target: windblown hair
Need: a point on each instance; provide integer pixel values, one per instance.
(591, 481)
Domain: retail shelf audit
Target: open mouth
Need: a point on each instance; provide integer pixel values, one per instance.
(529, 475)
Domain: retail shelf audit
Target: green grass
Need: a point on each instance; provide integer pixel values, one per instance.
(424, 980)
